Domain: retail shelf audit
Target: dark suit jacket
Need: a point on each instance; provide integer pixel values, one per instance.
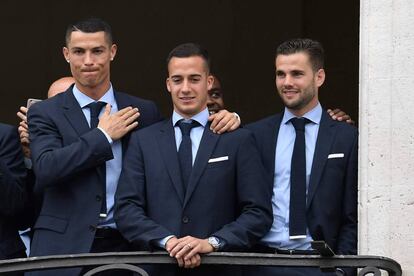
(332, 195)
(13, 192)
(66, 154)
(227, 199)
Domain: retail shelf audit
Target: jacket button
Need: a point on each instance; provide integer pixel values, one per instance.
(185, 219)
(98, 198)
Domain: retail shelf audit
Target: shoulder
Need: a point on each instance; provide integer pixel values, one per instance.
(135, 100)
(235, 137)
(48, 105)
(151, 130)
(265, 123)
(342, 128)
(8, 133)
(5, 128)
(9, 138)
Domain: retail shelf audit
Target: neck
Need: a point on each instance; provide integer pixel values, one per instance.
(94, 92)
(304, 110)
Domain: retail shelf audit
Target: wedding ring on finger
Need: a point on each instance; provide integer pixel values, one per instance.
(189, 246)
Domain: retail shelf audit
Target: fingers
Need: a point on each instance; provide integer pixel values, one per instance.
(224, 121)
(22, 113)
(107, 110)
(192, 262)
(180, 262)
(214, 119)
(131, 116)
(23, 126)
(180, 249)
(125, 110)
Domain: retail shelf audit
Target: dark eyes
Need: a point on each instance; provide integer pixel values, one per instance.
(215, 95)
(192, 79)
(98, 51)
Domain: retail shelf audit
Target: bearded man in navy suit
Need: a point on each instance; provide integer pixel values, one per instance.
(328, 200)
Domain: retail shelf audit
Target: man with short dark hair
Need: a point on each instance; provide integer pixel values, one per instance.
(78, 140)
(187, 190)
(311, 161)
(77, 149)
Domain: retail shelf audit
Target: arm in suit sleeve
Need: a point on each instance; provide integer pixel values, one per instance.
(131, 201)
(53, 161)
(347, 239)
(12, 173)
(254, 200)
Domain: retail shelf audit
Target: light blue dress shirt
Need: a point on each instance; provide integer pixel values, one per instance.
(196, 134)
(113, 166)
(278, 236)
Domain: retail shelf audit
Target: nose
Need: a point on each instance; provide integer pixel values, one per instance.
(186, 86)
(287, 81)
(88, 60)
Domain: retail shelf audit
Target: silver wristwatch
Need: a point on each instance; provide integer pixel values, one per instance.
(214, 242)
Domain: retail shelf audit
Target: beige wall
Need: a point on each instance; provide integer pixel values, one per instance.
(386, 216)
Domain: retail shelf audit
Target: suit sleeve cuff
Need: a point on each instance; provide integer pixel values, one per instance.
(162, 242)
(237, 117)
(106, 135)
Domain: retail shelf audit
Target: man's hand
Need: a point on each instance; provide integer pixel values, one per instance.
(223, 121)
(188, 250)
(340, 115)
(120, 123)
(24, 131)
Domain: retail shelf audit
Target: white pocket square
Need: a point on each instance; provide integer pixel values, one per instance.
(218, 159)
(336, 155)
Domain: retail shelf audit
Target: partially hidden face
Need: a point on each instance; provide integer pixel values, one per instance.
(297, 83)
(89, 55)
(215, 101)
(188, 82)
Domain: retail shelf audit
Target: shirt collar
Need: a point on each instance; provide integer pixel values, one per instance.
(201, 118)
(84, 100)
(314, 115)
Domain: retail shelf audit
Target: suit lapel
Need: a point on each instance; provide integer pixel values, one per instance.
(322, 149)
(73, 112)
(269, 144)
(207, 145)
(123, 102)
(168, 149)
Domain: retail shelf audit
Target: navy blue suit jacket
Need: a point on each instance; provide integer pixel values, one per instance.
(333, 189)
(13, 192)
(228, 199)
(66, 155)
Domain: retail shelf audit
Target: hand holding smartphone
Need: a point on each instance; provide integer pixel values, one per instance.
(32, 101)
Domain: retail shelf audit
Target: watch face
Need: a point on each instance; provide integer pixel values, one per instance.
(215, 242)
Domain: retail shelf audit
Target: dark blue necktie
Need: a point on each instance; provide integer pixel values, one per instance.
(297, 214)
(95, 108)
(185, 155)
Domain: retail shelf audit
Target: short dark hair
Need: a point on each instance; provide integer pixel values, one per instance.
(313, 48)
(190, 50)
(90, 25)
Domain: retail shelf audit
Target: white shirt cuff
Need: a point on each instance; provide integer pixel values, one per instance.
(161, 243)
(106, 135)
